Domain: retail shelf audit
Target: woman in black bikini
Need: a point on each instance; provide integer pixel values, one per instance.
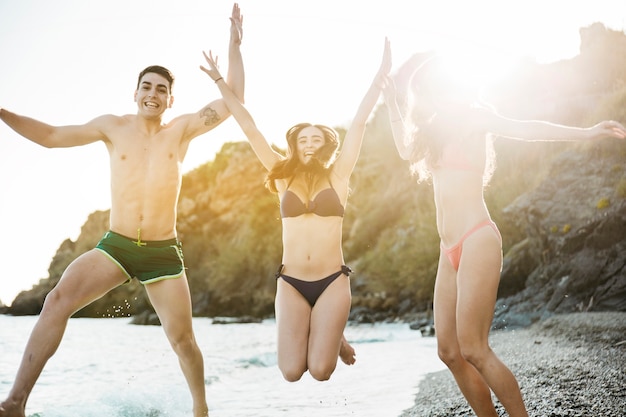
(446, 137)
(313, 289)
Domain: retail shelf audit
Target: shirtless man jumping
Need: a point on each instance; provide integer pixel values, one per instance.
(145, 159)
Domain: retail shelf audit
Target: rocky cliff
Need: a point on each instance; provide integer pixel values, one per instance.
(573, 257)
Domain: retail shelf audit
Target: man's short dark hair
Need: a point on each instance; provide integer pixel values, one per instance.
(157, 69)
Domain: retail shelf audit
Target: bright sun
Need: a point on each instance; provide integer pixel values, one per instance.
(474, 68)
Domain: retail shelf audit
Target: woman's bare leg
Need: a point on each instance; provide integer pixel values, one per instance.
(478, 279)
(328, 322)
(293, 315)
(470, 382)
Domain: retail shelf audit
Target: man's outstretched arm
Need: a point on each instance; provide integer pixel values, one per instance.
(216, 111)
(52, 136)
(236, 75)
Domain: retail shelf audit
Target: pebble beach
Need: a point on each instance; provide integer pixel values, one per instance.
(571, 365)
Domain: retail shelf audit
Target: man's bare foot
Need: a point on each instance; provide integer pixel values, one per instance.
(346, 352)
(9, 409)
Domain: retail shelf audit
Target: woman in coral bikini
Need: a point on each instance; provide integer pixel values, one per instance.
(313, 289)
(445, 134)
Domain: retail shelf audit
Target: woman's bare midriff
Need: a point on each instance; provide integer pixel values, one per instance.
(459, 202)
(312, 246)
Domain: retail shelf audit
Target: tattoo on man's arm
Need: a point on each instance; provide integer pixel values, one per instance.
(210, 116)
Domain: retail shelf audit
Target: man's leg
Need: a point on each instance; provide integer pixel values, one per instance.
(86, 279)
(172, 303)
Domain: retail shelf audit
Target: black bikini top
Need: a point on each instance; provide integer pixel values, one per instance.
(325, 204)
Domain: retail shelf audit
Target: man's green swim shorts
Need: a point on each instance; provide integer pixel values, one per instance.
(148, 261)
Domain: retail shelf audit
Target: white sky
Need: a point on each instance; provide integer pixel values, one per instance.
(68, 61)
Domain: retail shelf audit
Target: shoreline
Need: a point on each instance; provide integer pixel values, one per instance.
(567, 365)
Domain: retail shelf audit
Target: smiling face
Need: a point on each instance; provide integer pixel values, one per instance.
(309, 141)
(153, 95)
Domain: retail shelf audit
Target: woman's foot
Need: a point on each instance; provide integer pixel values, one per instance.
(346, 352)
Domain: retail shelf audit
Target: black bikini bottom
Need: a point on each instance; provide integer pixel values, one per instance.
(311, 290)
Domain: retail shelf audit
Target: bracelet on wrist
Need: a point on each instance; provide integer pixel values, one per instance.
(217, 79)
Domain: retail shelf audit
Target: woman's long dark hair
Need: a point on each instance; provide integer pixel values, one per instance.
(320, 164)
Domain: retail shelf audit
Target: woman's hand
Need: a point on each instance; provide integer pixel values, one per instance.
(382, 77)
(213, 70)
(608, 128)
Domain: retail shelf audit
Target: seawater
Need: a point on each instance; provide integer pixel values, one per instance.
(110, 368)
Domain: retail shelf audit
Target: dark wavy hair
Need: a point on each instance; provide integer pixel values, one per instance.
(320, 164)
(157, 69)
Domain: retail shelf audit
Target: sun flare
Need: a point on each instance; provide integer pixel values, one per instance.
(473, 69)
